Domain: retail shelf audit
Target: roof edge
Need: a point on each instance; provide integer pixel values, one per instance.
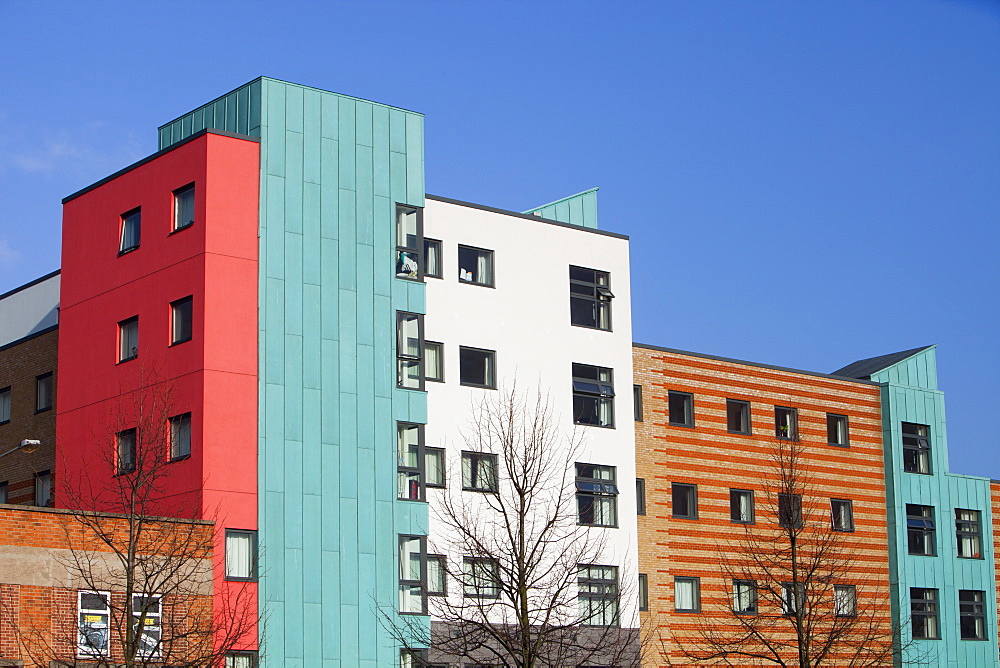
(30, 283)
(564, 199)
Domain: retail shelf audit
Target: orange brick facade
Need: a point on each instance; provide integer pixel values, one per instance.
(715, 460)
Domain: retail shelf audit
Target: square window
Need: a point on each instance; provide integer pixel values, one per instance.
(741, 506)
(684, 500)
(640, 496)
(437, 575)
(93, 615)
(130, 231)
(184, 207)
(687, 595)
(836, 430)
(410, 350)
(969, 533)
(477, 367)
(479, 472)
(786, 423)
(5, 405)
(409, 242)
(920, 530)
(434, 467)
(475, 266)
(125, 451)
(432, 253)
(43, 392)
(180, 320)
(845, 600)
(916, 448)
(43, 489)
(744, 597)
(128, 339)
(598, 595)
(481, 578)
(180, 436)
(737, 416)
(924, 613)
(434, 361)
(680, 409)
(147, 616)
(972, 614)
(410, 467)
(643, 592)
(241, 555)
(590, 298)
(637, 402)
(596, 495)
(593, 395)
(842, 515)
(790, 511)
(413, 575)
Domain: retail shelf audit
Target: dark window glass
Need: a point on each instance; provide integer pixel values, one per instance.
(130, 231)
(596, 495)
(738, 416)
(786, 423)
(184, 207)
(684, 499)
(475, 266)
(924, 613)
(681, 409)
(477, 368)
(590, 298)
(741, 506)
(128, 339)
(43, 392)
(842, 515)
(180, 316)
(125, 448)
(969, 533)
(479, 472)
(920, 530)
(744, 597)
(640, 496)
(637, 402)
(593, 395)
(916, 448)
(836, 429)
(790, 510)
(972, 614)
(180, 436)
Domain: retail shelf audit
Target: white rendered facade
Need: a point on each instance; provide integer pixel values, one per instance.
(525, 318)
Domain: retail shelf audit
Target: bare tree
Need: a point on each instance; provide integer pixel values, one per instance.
(795, 593)
(532, 586)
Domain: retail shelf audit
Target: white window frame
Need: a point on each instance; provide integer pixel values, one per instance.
(157, 624)
(93, 622)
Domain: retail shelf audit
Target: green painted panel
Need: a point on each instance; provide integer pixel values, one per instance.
(311, 274)
(293, 109)
(380, 151)
(274, 253)
(346, 136)
(363, 123)
(579, 209)
(293, 182)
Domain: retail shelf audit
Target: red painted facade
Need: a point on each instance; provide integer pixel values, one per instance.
(213, 375)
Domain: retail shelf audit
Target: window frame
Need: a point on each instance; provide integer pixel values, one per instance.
(490, 371)
(599, 299)
(174, 424)
(444, 469)
(640, 496)
(243, 654)
(176, 319)
(583, 391)
(607, 595)
(923, 525)
(476, 458)
(428, 243)
(848, 526)
(82, 650)
(835, 418)
(637, 403)
(405, 251)
(597, 489)
(123, 354)
(125, 221)
(443, 561)
(792, 597)
(971, 529)
(492, 267)
(252, 554)
(975, 610)
(126, 437)
(735, 516)
(42, 482)
(45, 397)
(180, 192)
(4, 491)
(916, 449)
(6, 403)
(408, 583)
(643, 592)
(691, 491)
(744, 414)
(403, 356)
(838, 608)
(472, 580)
(147, 616)
(440, 358)
(405, 473)
(790, 511)
(753, 601)
(695, 593)
(687, 408)
(925, 607)
(790, 431)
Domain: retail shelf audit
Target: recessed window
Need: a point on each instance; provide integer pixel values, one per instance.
(434, 467)
(637, 402)
(5, 405)
(916, 448)
(131, 222)
(410, 467)
(180, 436)
(3, 492)
(924, 614)
(93, 616)
(409, 242)
(598, 595)
(434, 361)
(972, 614)
(737, 416)
(640, 496)
(842, 515)
(790, 511)
(590, 298)
(593, 396)
(432, 258)
(184, 207)
(792, 597)
(43, 489)
(969, 533)
(920, 530)
(241, 555)
(687, 595)
(241, 660)
(481, 578)
(180, 320)
(741, 506)
(845, 600)
(684, 500)
(836, 430)
(475, 266)
(680, 407)
(125, 451)
(477, 367)
(479, 472)
(643, 592)
(413, 575)
(786, 423)
(147, 611)
(744, 597)
(43, 392)
(437, 575)
(596, 495)
(410, 350)
(128, 339)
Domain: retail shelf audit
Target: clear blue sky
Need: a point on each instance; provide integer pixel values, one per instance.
(804, 183)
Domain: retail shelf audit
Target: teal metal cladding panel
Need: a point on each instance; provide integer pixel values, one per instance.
(910, 394)
(579, 209)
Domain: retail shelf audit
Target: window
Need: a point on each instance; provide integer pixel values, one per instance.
(241, 660)
(643, 592)
(434, 361)
(845, 601)
(684, 499)
(43, 489)
(589, 298)
(125, 451)
(680, 409)
(437, 575)
(479, 472)
(5, 405)
(241, 555)
(916, 448)
(786, 423)
(147, 616)
(593, 395)
(410, 463)
(836, 430)
(43, 392)
(637, 402)
(180, 320)
(413, 658)
(737, 416)
(432, 258)
(596, 495)
(184, 207)
(3, 492)
(130, 231)
(687, 595)
(598, 595)
(475, 266)
(790, 603)
(920, 530)
(413, 575)
(744, 597)
(477, 368)
(482, 578)
(180, 436)
(972, 614)
(640, 496)
(741, 506)
(409, 242)
(434, 467)
(790, 511)
(93, 614)
(969, 533)
(410, 350)
(842, 515)
(128, 339)
(924, 613)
